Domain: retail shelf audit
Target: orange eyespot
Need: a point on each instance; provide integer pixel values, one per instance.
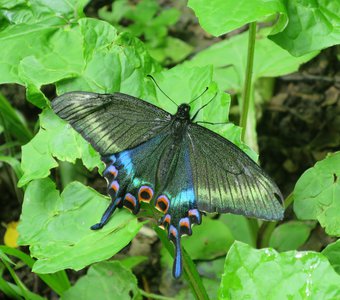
(113, 171)
(195, 216)
(145, 193)
(162, 203)
(173, 231)
(115, 186)
(184, 223)
(166, 219)
(131, 199)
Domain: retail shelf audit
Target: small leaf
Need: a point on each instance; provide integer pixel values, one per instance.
(317, 194)
(240, 228)
(210, 240)
(290, 235)
(105, 280)
(266, 274)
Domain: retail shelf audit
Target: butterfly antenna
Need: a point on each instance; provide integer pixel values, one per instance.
(197, 112)
(199, 95)
(153, 79)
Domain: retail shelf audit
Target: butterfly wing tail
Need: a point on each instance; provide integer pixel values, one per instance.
(107, 214)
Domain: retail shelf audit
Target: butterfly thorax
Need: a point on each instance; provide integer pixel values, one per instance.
(183, 112)
(169, 157)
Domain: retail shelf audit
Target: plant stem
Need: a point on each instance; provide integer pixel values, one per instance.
(189, 268)
(154, 296)
(253, 224)
(248, 78)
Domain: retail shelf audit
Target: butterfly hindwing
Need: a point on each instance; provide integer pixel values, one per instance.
(227, 180)
(178, 202)
(111, 122)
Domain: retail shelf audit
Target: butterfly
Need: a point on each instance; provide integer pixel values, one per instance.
(170, 161)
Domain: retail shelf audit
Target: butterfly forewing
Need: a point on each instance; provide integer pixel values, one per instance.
(111, 122)
(227, 180)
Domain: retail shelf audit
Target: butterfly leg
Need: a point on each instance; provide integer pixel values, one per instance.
(107, 214)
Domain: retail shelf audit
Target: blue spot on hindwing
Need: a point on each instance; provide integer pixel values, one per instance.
(125, 160)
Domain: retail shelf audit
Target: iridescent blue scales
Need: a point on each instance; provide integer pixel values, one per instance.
(169, 161)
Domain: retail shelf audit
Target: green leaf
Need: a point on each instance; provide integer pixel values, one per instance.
(133, 261)
(144, 11)
(313, 25)
(33, 50)
(240, 228)
(20, 288)
(229, 60)
(218, 16)
(210, 240)
(97, 59)
(332, 252)
(55, 139)
(105, 280)
(166, 17)
(14, 124)
(317, 194)
(117, 12)
(112, 62)
(173, 50)
(36, 160)
(14, 163)
(290, 235)
(266, 274)
(17, 12)
(58, 282)
(57, 228)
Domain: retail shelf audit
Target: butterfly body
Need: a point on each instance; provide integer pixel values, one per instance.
(169, 161)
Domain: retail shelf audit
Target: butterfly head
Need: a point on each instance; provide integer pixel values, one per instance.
(183, 111)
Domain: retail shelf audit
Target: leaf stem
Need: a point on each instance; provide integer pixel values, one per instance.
(248, 78)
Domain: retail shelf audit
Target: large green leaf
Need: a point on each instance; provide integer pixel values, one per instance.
(313, 25)
(267, 274)
(229, 60)
(55, 48)
(112, 62)
(317, 194)
(219, 16)
(21, 11)
(332, 252)
(57, 227)
(33, 50)
(54, 140)
(105, 280)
